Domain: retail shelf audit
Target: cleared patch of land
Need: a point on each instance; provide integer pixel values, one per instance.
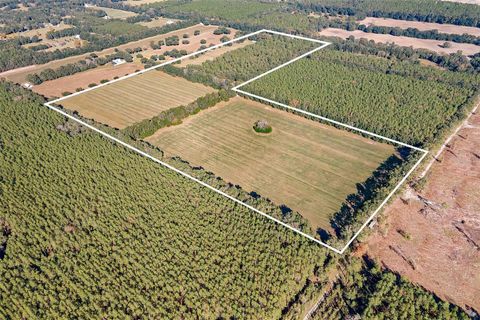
(308, 166)
(464, 1)
(433, 237)
(213, 54)
(143, 96)
(55, 88)
(422, 26)
(140, 2)
(115, 13)
(157, 22)
(19, 75)
(40, 32)
(433, 45)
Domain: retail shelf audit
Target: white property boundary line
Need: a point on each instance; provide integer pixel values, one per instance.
(323, 44)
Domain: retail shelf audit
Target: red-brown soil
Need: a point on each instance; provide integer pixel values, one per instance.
(433, 237)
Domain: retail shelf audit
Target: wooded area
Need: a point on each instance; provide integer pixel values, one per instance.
(89, 229)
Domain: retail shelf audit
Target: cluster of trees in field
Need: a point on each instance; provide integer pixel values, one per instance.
(418, 10)
(123, 237)
(397, 100)
(68, 32)
(90, 62)
(98, 33)
(40, 14)
(175, 115)
(366, 291)
(415, 33)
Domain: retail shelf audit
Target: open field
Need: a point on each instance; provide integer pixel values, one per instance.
(157, 22)
(308, 166)
(140, 2)
(55, 88)
(422, 26)
(143, 96)
(440, 245)
(433, 45)
(213, 54)
(115, 13)
(465, 1)
(19, 75)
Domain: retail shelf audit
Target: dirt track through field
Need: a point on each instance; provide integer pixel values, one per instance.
(303, 164)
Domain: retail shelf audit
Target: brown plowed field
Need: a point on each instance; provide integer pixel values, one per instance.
(55, 88)
(433, 238)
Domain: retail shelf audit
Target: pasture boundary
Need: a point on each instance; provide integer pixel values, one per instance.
(323, 44)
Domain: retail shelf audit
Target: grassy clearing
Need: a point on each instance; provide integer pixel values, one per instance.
(116, 13)
(307, 166)
(213, 54)
(144, 96)
(158, 22)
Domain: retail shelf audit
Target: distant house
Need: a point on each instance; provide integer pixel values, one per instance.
(170, 22)
(117, 62)
(77, 36)
(27, 85)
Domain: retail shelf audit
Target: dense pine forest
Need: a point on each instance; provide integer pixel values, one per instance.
(366, 291)
(396, 100)
(91, 230)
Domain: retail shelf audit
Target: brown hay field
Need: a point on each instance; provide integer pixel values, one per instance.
(140, 97)
(19, 75)
(158, 22)
(433, 45)
(422, 26)
(211, 55)
(308, 166)
(55, 88)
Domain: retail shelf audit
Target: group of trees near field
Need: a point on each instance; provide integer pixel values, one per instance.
(89, 229)
(244, 63)
(366, 291)
(90, 62)
(175, 115)
(398, 100)
(98, 34)
(418, 10)
(415, 33)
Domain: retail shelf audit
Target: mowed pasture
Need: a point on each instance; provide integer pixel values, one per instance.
(140, 97)
(433, 45)
(307, 166)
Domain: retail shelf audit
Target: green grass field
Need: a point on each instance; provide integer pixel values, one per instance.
(307, 166)
(144, 96)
